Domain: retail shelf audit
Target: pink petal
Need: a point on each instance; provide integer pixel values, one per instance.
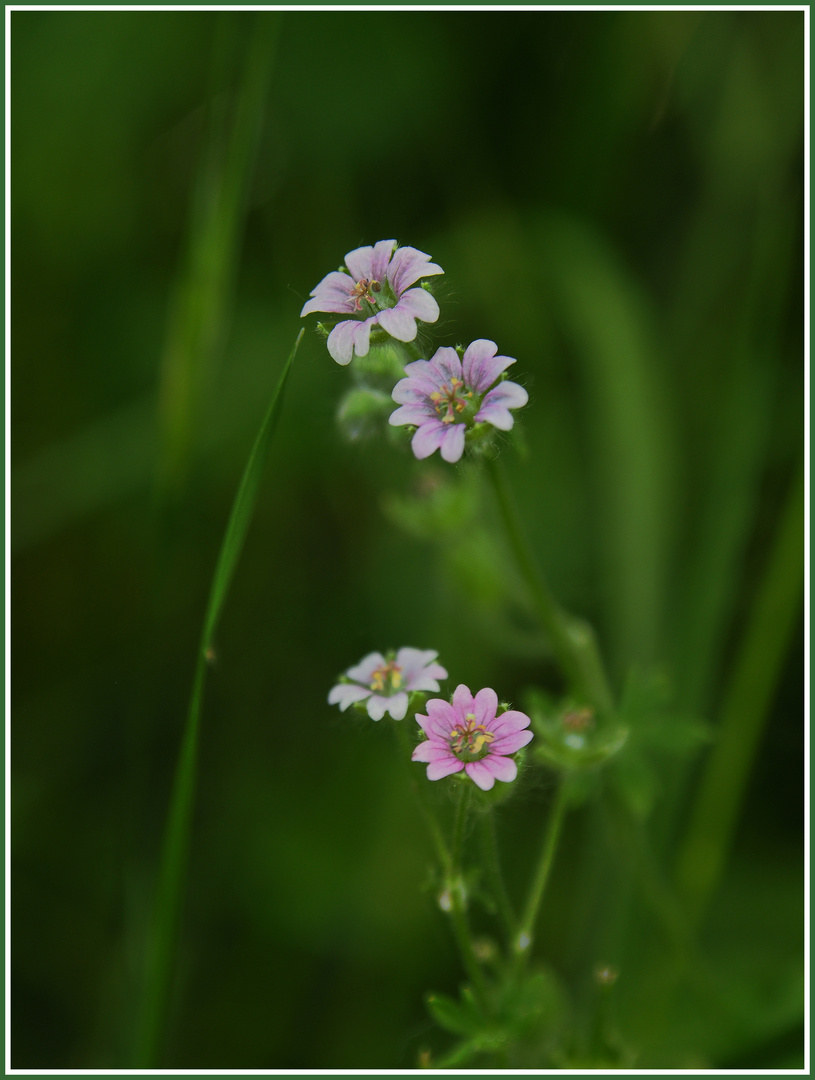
(420, 304)
(399, 323)
(362, 261)
(508, 722)
(407, 266)
(431, 750)
(437, 769)
(480, 774)
(332, 294)
(442, 717)
(502, 768)
(485, 706)
(481, 366)
(508, 744)
(447, 365)
(347, 338)
(452, 444)
(411, 414)
(496, 405)
(463, 701)
(427, 438)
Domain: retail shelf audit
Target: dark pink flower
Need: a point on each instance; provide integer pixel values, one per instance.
(374, 290)
(446, 396)
(468, 735)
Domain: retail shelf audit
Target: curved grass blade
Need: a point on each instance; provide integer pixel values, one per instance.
(176, 840)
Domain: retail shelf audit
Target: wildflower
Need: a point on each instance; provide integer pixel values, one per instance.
(386, 682)
(446, 397)
(468, 735)
(374, 290)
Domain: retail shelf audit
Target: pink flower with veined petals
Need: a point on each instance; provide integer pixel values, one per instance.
(386, 683)
(468, 735)
(375, 292)
(446, 396)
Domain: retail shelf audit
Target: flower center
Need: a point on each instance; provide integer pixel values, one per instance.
(452, 399)
(386, 679)
(471, 741)
(362, 291)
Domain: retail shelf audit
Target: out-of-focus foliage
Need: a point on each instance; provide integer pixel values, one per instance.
(617, 201)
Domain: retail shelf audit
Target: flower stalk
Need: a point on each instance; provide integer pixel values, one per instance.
(572, 639)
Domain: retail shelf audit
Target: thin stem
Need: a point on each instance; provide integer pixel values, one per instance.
(489, 847)
(458, 903)
(547, 855)
(431, 820)
(572, 639)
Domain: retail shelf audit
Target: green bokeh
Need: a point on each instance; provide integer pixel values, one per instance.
(617, 200)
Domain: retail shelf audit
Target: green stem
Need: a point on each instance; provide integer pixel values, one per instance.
(489, 847)
(547, 855)
(431, 820)
(458, 902)
(572, 639)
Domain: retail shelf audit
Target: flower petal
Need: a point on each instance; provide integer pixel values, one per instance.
(511, 742)
(463, 701)
(432, 750)
(397, 705)
(509, 721)
(480, 774)
(362, 261)
(420, 304)
(411, 414)
(363, 671)
(398, 322)
(342, 340)
(481, 366)
(427, 438)
(495, 406)
(407, 266)
(485, 706)
(446, 365)
(377, 706)
(502, 768)
(445, 767)
(346, 694)
(332, 294)
(442, 718)
(452, 443)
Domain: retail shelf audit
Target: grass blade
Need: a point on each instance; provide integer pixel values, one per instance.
(176, 841)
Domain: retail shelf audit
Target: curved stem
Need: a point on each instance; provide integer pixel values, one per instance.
(431, 820)
(458, 902)
(572, 639)
(489, 846)
(545, 860)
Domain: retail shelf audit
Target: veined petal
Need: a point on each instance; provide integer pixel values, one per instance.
(481, 366)
(420, 304)
(511, 741)
(485, 706)
(463, 701)
(361, 261)
(510, 395)
(442, 717)
(341, 341)
(407, 266)
(332, 294)
(427, 438)
(444, 767)
(398, 322)
(511, 720)
(480, 774)
(452, 443)
(411, 414)
(446, 364)
(431, 750)
(383, 250)
(502, 768)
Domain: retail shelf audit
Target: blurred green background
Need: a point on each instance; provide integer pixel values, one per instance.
(617, 201)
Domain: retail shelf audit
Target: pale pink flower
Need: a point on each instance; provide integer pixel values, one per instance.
(375, 291)
(468, 735)
(386, 683)
(446, 396)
